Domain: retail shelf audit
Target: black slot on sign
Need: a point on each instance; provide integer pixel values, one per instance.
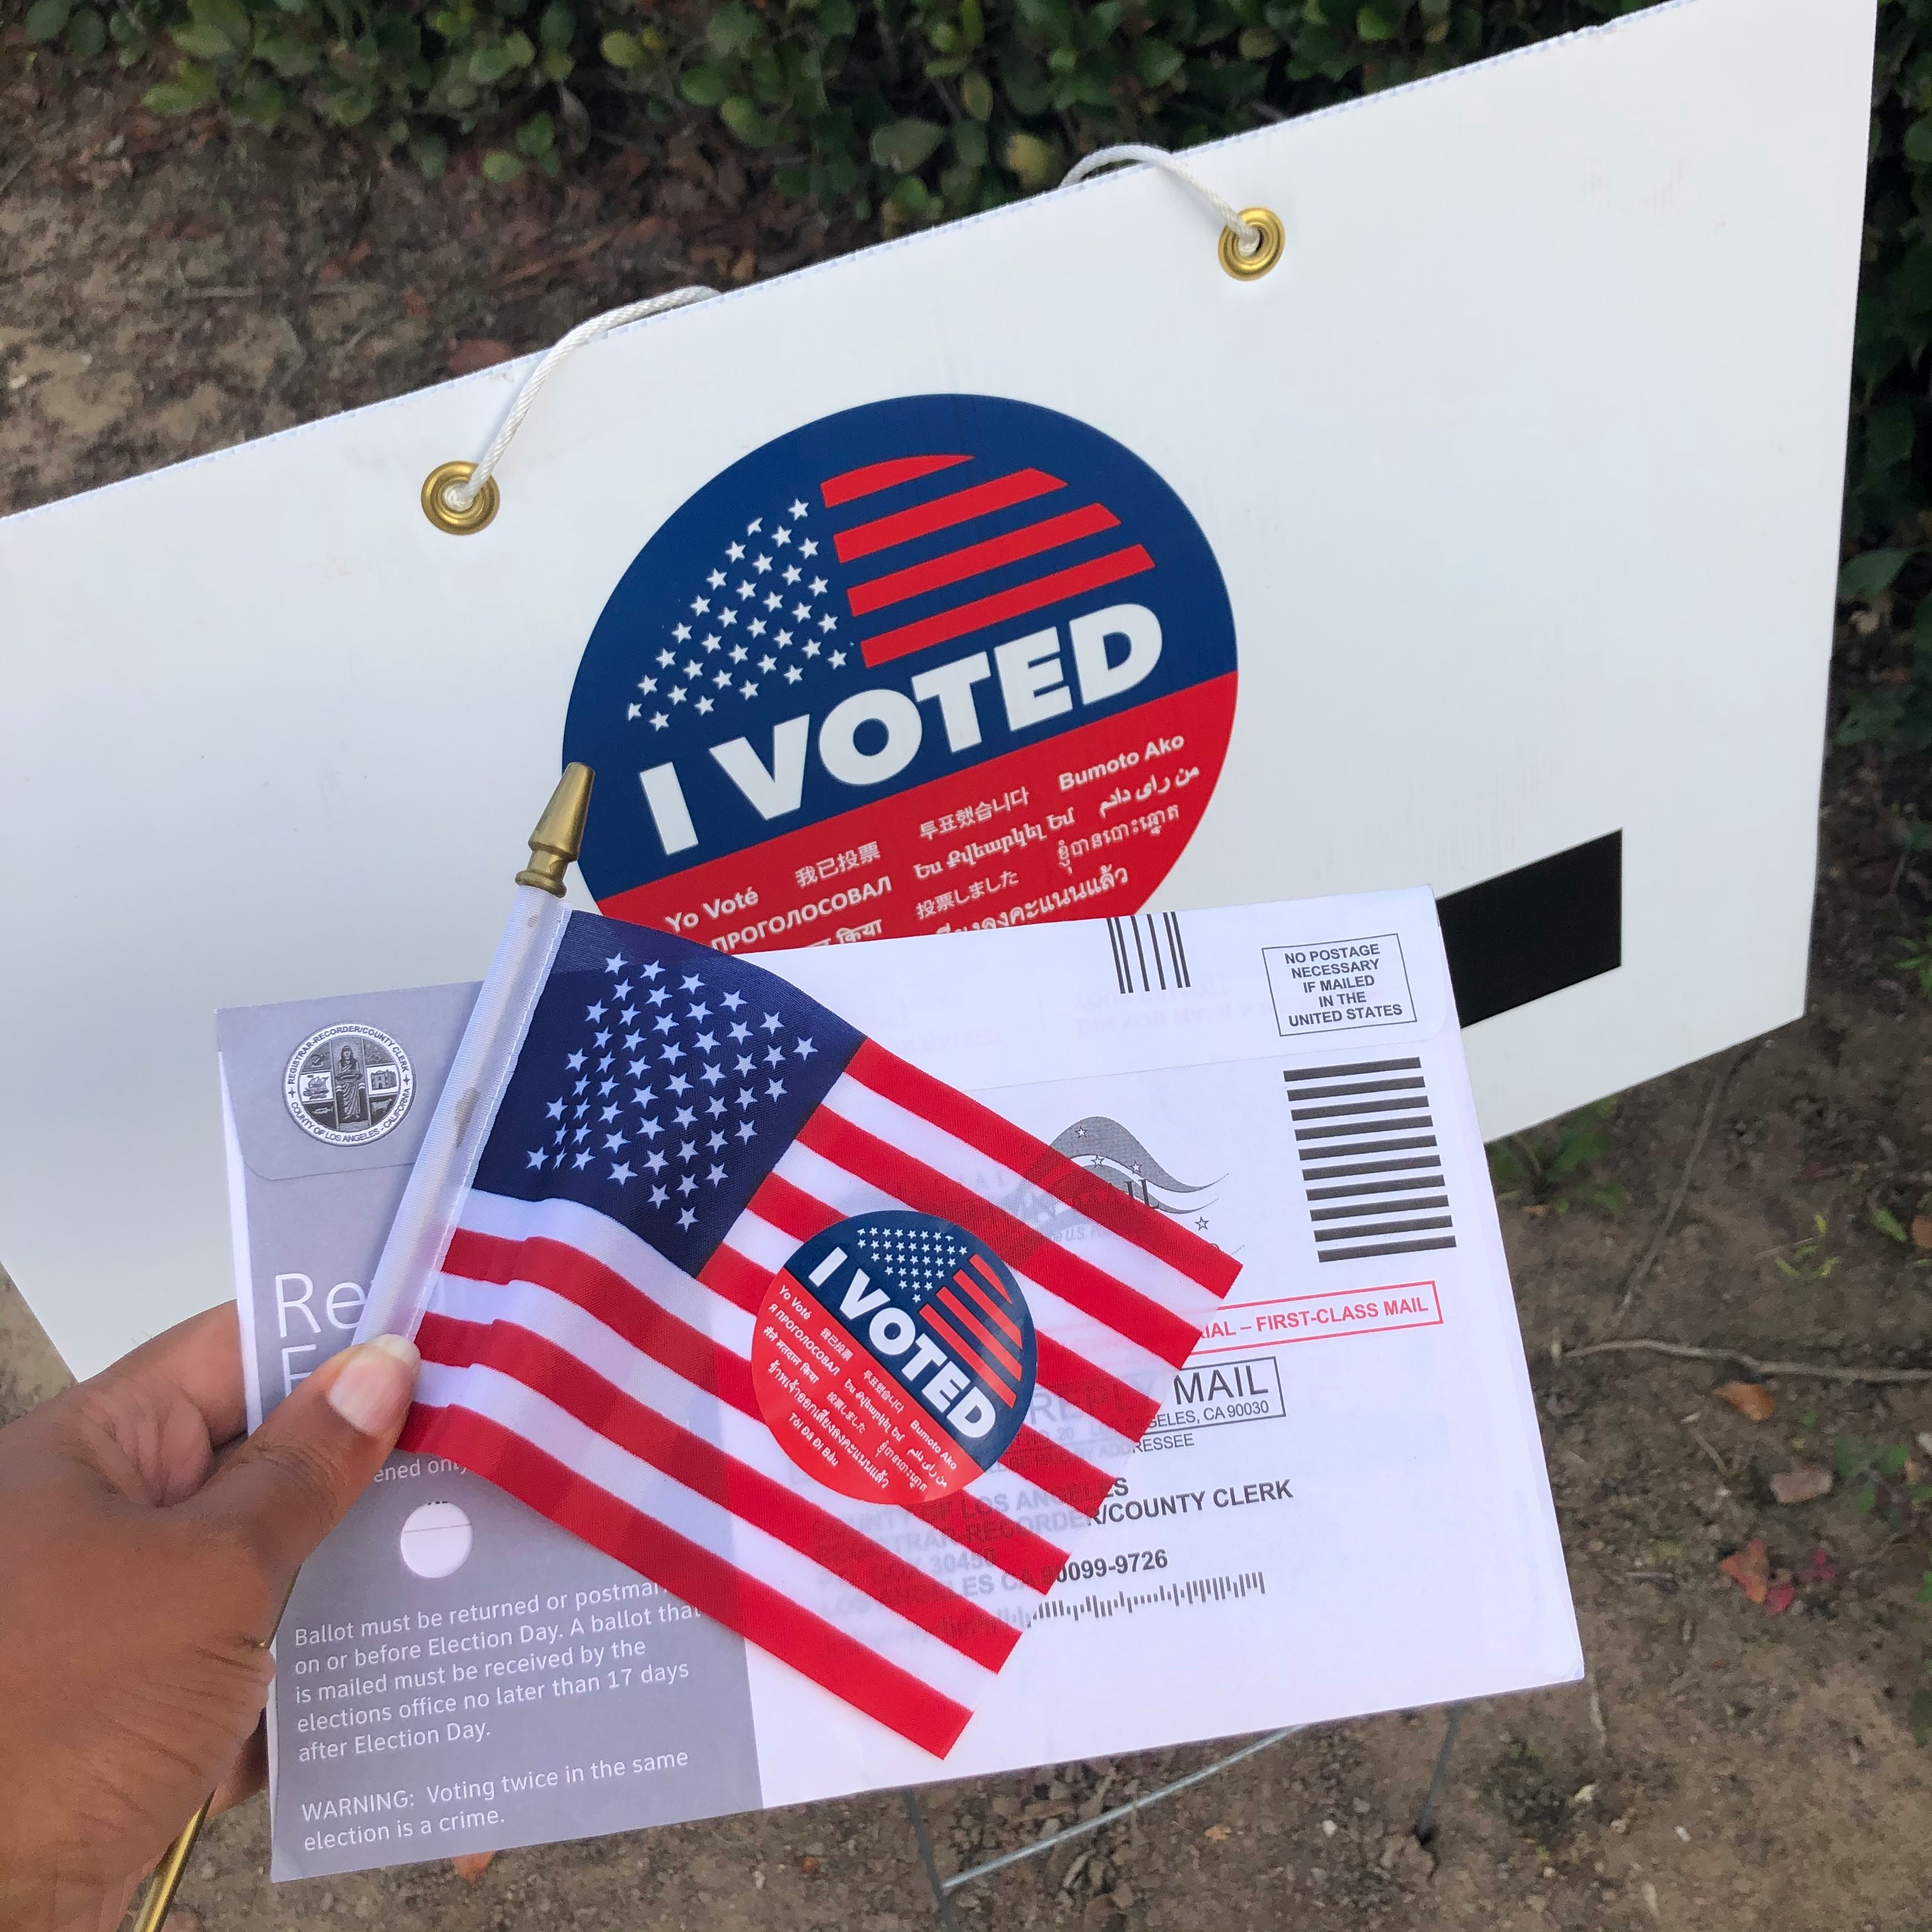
(1537, 930)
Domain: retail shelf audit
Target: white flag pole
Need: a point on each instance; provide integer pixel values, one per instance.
(453, 1144)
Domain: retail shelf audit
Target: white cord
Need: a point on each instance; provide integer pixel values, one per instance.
(461, 495)
(1247, 236)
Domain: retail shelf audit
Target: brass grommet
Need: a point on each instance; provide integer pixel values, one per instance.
(1246, 268)
(445, 515)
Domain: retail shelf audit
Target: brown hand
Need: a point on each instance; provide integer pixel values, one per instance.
(141, 1573)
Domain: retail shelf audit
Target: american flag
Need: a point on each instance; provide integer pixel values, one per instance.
(798, 589)
(714, 1235)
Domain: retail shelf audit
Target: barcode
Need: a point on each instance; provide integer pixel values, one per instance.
(1365, 1140)
(1148, 955)
(1177, 1596)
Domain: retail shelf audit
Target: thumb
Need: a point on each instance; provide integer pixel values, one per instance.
(293, 1481)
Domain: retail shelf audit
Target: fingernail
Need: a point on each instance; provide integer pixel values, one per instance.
(372, 1387)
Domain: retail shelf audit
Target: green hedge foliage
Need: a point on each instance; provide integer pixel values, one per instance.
(906, 112)
(1889, 467)
(900, 111)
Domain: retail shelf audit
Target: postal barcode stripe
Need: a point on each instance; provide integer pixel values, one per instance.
(1367, 1147)
(1343, 1129)
(1370, 1087)
(1391, 1248)
(1368, 1168)
(1149, 954)
(1360, 1107)
(1375, 1151)
(1367, 1187)
(1399, 1204)
(1355, 1068)
(1384, 1228)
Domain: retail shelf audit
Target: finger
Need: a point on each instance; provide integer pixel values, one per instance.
(197, 1362)
(289, 1484)
(145, 1426)
(105, 1913)
(246, 1775)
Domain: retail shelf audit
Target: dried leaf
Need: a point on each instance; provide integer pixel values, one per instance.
(1778, 1594)
(1805, 1483)
(530, 271)
(1752, 1400)
(1822, 1570)
(470, 1866)
(1922, 1230)
(466, 358)
(1219, 1832)
(1750, 1569)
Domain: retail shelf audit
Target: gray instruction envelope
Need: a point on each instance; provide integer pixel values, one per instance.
(453, 1672)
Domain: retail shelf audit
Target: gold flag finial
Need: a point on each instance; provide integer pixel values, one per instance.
(559, 837)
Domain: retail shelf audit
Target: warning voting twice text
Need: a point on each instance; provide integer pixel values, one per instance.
(460, 1805)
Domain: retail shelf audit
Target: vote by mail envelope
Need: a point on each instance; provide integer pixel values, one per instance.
(456, 1674)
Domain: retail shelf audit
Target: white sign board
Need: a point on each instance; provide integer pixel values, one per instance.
(1030, 567)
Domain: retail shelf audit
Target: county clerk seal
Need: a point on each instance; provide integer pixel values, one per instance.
(349, 1083)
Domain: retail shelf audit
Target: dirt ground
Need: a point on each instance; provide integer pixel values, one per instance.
(165, 290)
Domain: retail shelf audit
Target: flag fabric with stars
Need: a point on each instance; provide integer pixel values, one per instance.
(766, 594)
(689, 1150)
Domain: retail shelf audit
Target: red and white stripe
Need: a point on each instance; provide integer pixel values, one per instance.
(954, 509)
(570, 1363)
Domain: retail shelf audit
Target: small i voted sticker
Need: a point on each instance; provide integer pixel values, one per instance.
(1338, 985)
(895, 1357)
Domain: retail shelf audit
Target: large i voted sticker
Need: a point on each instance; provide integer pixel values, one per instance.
(931, 663)
(894, 1357)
